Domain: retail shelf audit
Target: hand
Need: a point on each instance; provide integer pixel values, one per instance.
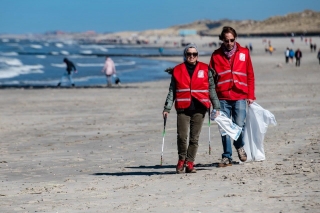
(250, 101)
(214, 114)
(75, 71)
(165, 114)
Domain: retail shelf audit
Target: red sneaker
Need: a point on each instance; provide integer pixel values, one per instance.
(180, 167)
(190, 168)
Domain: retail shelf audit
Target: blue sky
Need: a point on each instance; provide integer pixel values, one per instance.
(38, 16)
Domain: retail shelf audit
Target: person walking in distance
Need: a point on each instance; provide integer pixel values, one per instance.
(68, 74)
(109, 69)
(291, 55)
(298, 56)
(192, 89)
(235, 87)
(286, 53)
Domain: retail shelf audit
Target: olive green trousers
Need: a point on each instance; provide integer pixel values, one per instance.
(189, 124)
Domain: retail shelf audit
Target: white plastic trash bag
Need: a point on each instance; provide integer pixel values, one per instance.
(227, 127)
(256, 126)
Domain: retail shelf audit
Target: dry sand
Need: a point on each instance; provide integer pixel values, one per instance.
(98, 150)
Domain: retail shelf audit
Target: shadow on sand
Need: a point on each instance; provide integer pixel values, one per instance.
(171, 168)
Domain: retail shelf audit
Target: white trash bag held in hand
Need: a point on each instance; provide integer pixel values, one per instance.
(256, 126)
(227, 127)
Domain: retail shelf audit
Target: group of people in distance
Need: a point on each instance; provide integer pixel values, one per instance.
(290, 54)
(227, 83)
(109, 69)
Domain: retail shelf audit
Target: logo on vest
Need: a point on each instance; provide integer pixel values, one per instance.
(242, 57)
(201, 74)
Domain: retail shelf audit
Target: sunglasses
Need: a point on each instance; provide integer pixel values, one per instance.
(192, 54)
(230, 40)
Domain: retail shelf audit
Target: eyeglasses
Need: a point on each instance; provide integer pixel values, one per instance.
(230, 40)
(192, 54)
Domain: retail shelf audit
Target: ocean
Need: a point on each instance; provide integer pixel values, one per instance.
(40, 63)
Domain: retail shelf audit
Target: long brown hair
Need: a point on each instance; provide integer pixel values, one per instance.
(227, 29)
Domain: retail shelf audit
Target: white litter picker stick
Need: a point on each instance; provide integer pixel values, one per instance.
(163, 135)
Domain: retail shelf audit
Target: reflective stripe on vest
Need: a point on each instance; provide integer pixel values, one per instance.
(239, 82)
(224, 72)
(182, 90)
(205, 100)
(199, 90)
(240, 73)
(223, 82)
(183, 99)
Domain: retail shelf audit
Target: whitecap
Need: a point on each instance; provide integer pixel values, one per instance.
(96, 47)
(41, 56)
(125, 63)
(10, 83)
(63, 52)
(39, 82)
(69, 42)
(86, 52)
(11, 61)
(10, 72)
(59, 45)
(36, 46)
(9, 53)
(82, 56)
(90, 65)
(4, 40)
(58, 65)
(54, 53)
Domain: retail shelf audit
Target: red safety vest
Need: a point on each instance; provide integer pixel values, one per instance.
(197, 86)
(235, 81)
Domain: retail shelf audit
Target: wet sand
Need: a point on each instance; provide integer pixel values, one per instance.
(99, 149)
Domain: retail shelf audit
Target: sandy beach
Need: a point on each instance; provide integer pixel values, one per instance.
(99, 149)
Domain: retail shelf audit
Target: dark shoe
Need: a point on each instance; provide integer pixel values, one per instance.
(242, 154)
(190, 168)
(180, 167)
(58, 84)
(225, 162)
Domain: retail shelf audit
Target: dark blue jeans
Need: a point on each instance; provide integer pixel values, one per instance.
(236, 110)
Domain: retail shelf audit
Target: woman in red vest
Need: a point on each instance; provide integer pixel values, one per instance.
(234, 78)
(192, 89)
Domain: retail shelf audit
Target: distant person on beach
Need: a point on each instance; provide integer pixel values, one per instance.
(319, 56)
(298, 56)
(291, 55)
(315, 47)
(292, 40)
(286, 53)
(109, 69)
(68, 74)
(235, 83)
(250, 47)
(311, 47)
(271, 49)
(160, 50)
(192, 89)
